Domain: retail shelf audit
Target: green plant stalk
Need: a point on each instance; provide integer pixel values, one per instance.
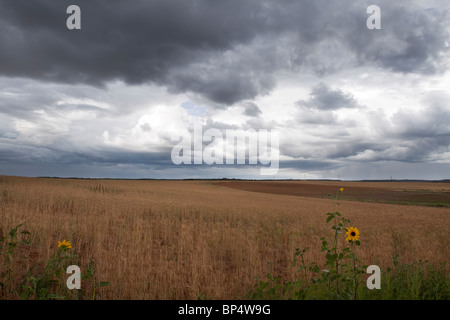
(335, 241)
(304, 268)
(10, 264)
(355, 280)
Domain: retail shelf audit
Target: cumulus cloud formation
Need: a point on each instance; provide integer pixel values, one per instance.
(111, 94)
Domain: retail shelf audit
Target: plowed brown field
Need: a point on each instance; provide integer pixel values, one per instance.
(417, 193)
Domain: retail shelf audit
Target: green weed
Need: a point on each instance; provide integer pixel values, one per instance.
(342, 276)
(42, 283)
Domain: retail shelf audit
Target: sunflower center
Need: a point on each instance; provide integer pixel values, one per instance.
(353, 234)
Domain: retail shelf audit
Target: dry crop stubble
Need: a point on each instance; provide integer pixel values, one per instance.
(190, 239)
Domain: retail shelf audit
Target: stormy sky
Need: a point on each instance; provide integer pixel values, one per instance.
(348, 102)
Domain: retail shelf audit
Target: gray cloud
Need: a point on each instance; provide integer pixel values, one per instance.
(431, 122)
(213, 48)
(251, 109)
(412, 39)
(325, 98)
(409, 135)
(86, 98)
(148, 41)
(106, 156)
(424, 134)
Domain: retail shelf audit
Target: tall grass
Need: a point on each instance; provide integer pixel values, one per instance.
(191, 239)
(340, 280)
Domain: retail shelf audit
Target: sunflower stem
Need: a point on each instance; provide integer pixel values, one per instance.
(335, 241)
(354, 271)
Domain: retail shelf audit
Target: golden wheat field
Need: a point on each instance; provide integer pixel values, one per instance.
(185, 239)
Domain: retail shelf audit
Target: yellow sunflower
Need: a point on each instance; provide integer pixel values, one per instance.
(65, 244)
(352, 234)
(341, 189)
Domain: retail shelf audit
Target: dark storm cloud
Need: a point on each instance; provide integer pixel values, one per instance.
(46, 155)
(75, 114)
(225, 51)
(222, 84)
(309, 165)
(411, 40)
(156, 41)
(251, 109)
(325, 98)
(320, 108)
